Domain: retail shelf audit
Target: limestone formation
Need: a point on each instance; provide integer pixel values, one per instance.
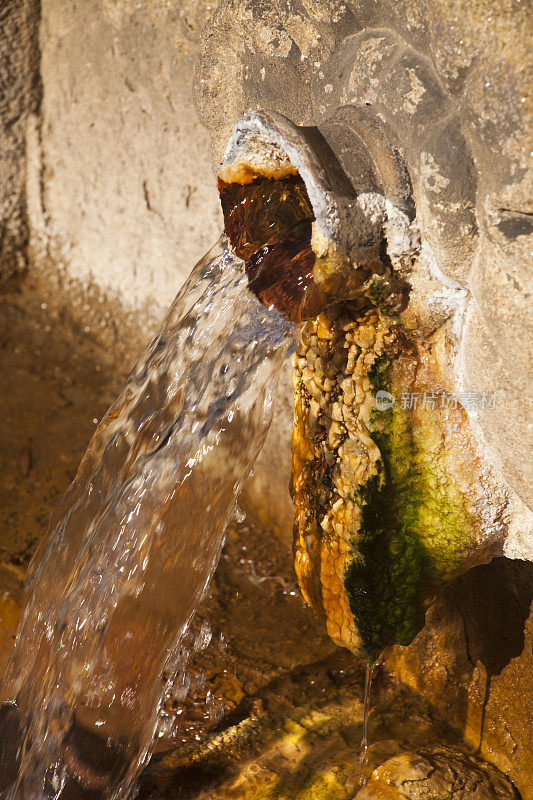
(385, 480)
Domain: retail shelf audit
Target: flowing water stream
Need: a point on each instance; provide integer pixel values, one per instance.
(135, 540)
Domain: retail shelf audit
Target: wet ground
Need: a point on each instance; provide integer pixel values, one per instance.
(267, 707)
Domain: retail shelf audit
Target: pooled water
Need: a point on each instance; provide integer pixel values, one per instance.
(135, 540)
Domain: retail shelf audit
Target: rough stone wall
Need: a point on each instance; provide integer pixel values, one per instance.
(127, 202)
(19, 98)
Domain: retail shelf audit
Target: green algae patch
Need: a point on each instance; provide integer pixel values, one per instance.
(414, 525)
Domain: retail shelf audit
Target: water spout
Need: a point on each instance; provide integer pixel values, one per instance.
(342, 204)
(383, 517)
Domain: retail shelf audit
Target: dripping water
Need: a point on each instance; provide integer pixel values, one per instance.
(369, 674)
(134, 542)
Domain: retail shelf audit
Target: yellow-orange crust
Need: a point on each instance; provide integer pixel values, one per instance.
(332, 454)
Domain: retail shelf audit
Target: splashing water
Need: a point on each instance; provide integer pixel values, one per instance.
(135, 540)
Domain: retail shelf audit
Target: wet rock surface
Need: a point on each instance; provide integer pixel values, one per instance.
(474, 660)
(298, 738)
(436, 774)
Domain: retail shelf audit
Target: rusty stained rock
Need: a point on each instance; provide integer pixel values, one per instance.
(332, 454)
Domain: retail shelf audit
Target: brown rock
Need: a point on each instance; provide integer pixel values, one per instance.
(437, 774)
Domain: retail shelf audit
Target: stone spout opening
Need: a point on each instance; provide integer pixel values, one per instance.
(269, 224)
(310, 234)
